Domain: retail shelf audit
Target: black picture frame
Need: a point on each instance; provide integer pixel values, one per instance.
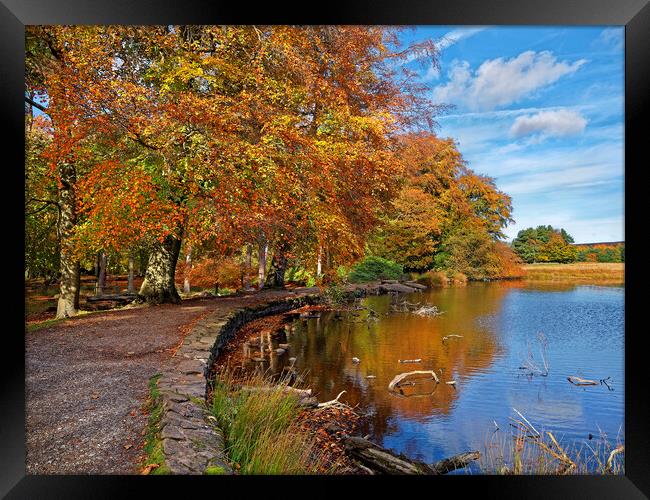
(633, 14)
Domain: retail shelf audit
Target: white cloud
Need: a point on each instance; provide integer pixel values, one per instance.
(457, 35)
(433, 73)
(500, 82)
(568, 178)
(446, 41)
(613, 37)
(557, 123)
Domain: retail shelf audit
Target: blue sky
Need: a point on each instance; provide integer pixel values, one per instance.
(540, 109)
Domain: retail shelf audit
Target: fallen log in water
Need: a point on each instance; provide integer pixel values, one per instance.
(383, 461)
(413, 284)
(398, 378)
(581, 381)
(397, 288)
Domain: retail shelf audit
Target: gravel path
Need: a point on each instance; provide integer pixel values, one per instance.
(87, 379)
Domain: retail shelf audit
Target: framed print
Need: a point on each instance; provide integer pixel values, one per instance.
(348, 246)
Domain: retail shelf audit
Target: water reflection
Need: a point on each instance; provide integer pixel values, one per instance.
(495, 322)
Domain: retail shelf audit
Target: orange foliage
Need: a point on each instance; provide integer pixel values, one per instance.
(229, 134)
(209, 271)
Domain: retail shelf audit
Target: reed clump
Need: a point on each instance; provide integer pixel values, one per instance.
(260, 427)
(526, 451)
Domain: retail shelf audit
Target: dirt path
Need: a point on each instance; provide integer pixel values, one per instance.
(87, 379)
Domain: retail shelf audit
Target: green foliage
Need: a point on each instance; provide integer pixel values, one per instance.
(375, 268)
(300, 275)
(545, 244)
(214, 470)
(335, 294)
(41, 210)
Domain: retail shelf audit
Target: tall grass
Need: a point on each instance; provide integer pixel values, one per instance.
(582, 272)
(262, 436)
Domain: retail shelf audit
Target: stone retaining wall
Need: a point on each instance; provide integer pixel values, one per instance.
(192, 442)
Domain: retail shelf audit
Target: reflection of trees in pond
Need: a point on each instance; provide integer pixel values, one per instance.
(325, 348)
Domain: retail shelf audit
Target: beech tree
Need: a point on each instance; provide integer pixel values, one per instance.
(283, 137)
(446, 216)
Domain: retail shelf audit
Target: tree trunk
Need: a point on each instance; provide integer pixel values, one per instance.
(249, 259)
(263, 248)
(188, 268)
(131, 285)
(159, 286)
(68, 304)
(101, 281)
(328, 260)
(279, 265)
(142, 259)
(319, 264)
(96, 270)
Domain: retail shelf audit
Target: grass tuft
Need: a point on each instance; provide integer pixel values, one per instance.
(262, 436)
(153, 444)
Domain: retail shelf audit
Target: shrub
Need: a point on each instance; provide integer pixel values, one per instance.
(375, 268)
(458, 279)
(335, 295)
(207, 271)
(300, 276)
(433, 278)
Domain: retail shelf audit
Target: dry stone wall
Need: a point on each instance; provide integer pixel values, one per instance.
(192, 442)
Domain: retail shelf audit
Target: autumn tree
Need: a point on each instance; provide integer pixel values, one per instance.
(446, 216)
(41, 203)
(54, 75)
(283, 137)
(321, 140)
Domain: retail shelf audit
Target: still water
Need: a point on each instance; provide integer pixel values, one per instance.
(500, 324)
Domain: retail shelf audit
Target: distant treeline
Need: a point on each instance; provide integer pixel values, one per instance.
(548, 244)
(601, 252)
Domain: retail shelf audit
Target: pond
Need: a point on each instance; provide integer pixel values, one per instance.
(499, 325)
